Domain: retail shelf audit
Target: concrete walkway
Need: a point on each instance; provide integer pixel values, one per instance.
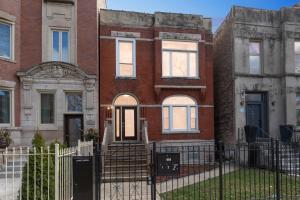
(12, 188)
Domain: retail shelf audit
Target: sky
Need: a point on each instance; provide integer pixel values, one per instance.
(215, 9)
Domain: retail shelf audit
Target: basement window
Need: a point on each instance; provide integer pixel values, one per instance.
(255, 57)
(179, 59)
(125, 58)
(297, 56)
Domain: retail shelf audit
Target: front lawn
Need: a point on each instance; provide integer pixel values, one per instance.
(242, 184)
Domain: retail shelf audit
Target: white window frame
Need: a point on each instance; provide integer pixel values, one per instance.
(40, 108)
(12, 40)
(188, 59)
(66, 101)
(118, 40)
(188, 108)
(11, 109)
(295, 53)
(260, 55)
(60, 44)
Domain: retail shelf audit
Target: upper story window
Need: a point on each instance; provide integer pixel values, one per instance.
(5, 107)
(179, 114)
(255, 57)
(297, 56)
(60, 46)
(6, 40)
(47, 108)
(180, 59)
(125, 55)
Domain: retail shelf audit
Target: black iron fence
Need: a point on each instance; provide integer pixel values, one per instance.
(260, 170)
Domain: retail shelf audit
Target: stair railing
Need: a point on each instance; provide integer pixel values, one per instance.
(145, 139)
(107, 136)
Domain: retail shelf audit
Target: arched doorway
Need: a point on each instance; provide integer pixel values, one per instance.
(125, 117)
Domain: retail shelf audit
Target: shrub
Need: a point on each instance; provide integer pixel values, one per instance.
(91, 134)
(38, 167)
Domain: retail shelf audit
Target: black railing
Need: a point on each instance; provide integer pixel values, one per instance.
(268, 170)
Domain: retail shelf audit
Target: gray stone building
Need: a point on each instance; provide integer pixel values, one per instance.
(257, 71)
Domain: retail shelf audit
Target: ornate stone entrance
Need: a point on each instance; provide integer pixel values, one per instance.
(45, 100)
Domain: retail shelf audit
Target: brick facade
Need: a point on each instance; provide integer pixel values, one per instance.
(146, 86)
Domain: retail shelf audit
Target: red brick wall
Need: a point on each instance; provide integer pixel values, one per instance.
(148, 68)
(8, 69)
(87, 50)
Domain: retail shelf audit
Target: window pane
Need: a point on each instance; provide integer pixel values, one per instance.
(180, 118)
(166, 117)
(5, 40)
(298, 117)
(298, 99)
(65, 46)
(126, 70)
(193, 118)
(118, 122)
(4, 107)
(129, 123)
(179, 64)
(193, 64)
(191, 46)
(297, 63)
(179, 100)
(55, 48)
(254, 48)
(255, 65)
(74, 102)
(126, 52)
(166, 64)
(47, 108)
(297, 47)
(125, 100)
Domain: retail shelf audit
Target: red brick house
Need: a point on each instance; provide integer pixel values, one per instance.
(156, 75)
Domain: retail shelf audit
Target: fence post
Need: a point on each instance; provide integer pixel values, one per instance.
(272, 154)
(56, 164)
(153, 176)
(98, 171)
(220, 155)
(277, 171)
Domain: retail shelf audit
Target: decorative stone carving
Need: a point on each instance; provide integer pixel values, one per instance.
(126, 34)
(179, 36)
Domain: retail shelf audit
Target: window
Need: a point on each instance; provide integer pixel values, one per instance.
(47, 108)
(298, 109)
(60, 46)
(6, 40)
(297, 56)
(5, 107)
(179, 59)
(255, 57)
(125, 58)
(74, 102)
(179, 113)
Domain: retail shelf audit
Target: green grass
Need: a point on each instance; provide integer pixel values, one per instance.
(242, 184)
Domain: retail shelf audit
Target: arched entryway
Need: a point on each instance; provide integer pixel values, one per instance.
(125, 118)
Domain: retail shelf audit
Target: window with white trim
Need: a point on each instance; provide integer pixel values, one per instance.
(60, 46)
(297, 56)
(47, 108)
(255, 57)
(180, 59)
(298, 109)
(6, 40)
(5, 107)
(125, 58)
(179, 113)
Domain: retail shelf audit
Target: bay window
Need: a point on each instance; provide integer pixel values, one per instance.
(180, 59)
(179, 113)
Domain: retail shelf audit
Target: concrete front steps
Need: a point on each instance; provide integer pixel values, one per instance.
(125, 162)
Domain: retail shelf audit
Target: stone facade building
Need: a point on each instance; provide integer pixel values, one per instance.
(156, 75)
(49, 68)
(256, 65)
